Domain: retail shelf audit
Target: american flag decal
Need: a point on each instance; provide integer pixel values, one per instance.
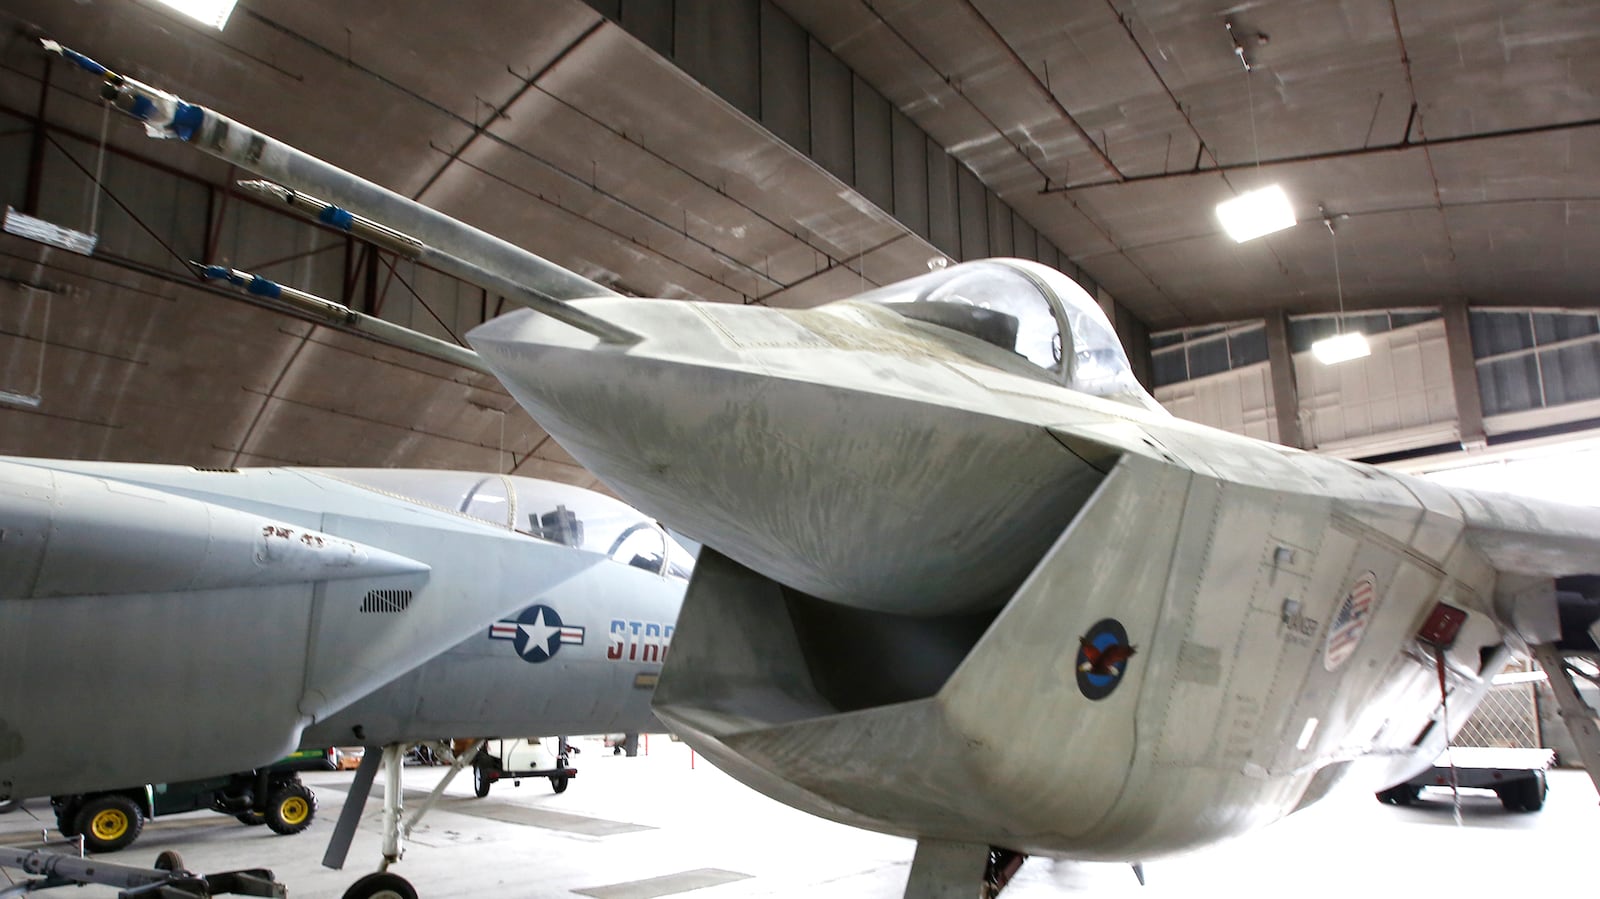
(1350, 621)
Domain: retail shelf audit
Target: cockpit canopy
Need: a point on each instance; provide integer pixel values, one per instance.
(559, 513)
(1030, 309)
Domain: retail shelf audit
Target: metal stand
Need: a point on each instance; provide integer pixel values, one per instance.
(1580, 718)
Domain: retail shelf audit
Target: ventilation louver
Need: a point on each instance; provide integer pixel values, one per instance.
(386, 601)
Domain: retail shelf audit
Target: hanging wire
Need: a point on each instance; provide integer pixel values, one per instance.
(1338, 282)
(1250, 94)
(99, 169)
(1449, 742)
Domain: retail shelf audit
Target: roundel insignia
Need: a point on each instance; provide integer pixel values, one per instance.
(537, 634)
(1103, 655)
(1350, 621)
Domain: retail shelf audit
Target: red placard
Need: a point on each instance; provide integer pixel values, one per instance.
(1443, 624)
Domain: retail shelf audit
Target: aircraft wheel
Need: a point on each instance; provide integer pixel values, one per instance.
(169, 860)
(291, 809)
(109, 823)
(381, 885)
(480, 782)
(559, 783)
(252, 818)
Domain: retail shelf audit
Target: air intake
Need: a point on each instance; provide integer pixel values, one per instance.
(386, 601)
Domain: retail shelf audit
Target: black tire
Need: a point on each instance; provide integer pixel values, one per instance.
(169, 860)
(67, 822)
(1538, 789)
(480, 782)
(109, 823)
(1510, 797)
(291, 808)
(1525, 795)
(381, 885)
(559, 783)
(9, 805)
(251, 819)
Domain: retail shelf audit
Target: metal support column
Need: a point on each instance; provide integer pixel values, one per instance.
(30, 201)
(1285, 392)
(1464, 375)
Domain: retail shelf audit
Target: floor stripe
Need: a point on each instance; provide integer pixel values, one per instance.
(665, 885)
(538, 817)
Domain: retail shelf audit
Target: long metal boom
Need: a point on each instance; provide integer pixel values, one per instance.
(341, 314)
(461, 250)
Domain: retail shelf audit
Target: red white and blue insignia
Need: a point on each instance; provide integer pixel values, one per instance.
(538, 633)
(1350, 621)
(1103, 655)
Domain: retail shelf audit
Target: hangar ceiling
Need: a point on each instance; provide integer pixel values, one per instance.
(1459, 138)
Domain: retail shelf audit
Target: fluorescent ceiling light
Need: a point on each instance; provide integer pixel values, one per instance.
(1257, 212)
(44, 232)
(1341, 348)
(207, 12)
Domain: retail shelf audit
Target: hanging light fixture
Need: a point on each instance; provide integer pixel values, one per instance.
(1265, 210)
(1255, 213)
(1341, 347)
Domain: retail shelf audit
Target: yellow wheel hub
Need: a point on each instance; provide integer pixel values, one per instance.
(109, 824)
(294, 810)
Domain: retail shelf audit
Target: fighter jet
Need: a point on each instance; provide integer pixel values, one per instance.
(232, 609)
(964, 581)
(583, 658)
(214, 620)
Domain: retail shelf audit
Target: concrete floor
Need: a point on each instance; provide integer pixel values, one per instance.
(653, 826)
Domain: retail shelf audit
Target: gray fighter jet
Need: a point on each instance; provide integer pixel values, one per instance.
(213, 620)
(583, 658)
(964, 581)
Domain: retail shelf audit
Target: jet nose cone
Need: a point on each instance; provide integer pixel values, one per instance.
(822, 483)
(576, 384)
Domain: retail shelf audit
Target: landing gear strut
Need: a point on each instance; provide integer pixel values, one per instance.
(383, 884)
(947, 870)
(1003, 865)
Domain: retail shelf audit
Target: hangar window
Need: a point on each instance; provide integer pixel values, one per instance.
(1305, 330)
(1535, 359)
(1190, 353)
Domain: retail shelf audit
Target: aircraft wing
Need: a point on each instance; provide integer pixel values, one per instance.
(1523, 535)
